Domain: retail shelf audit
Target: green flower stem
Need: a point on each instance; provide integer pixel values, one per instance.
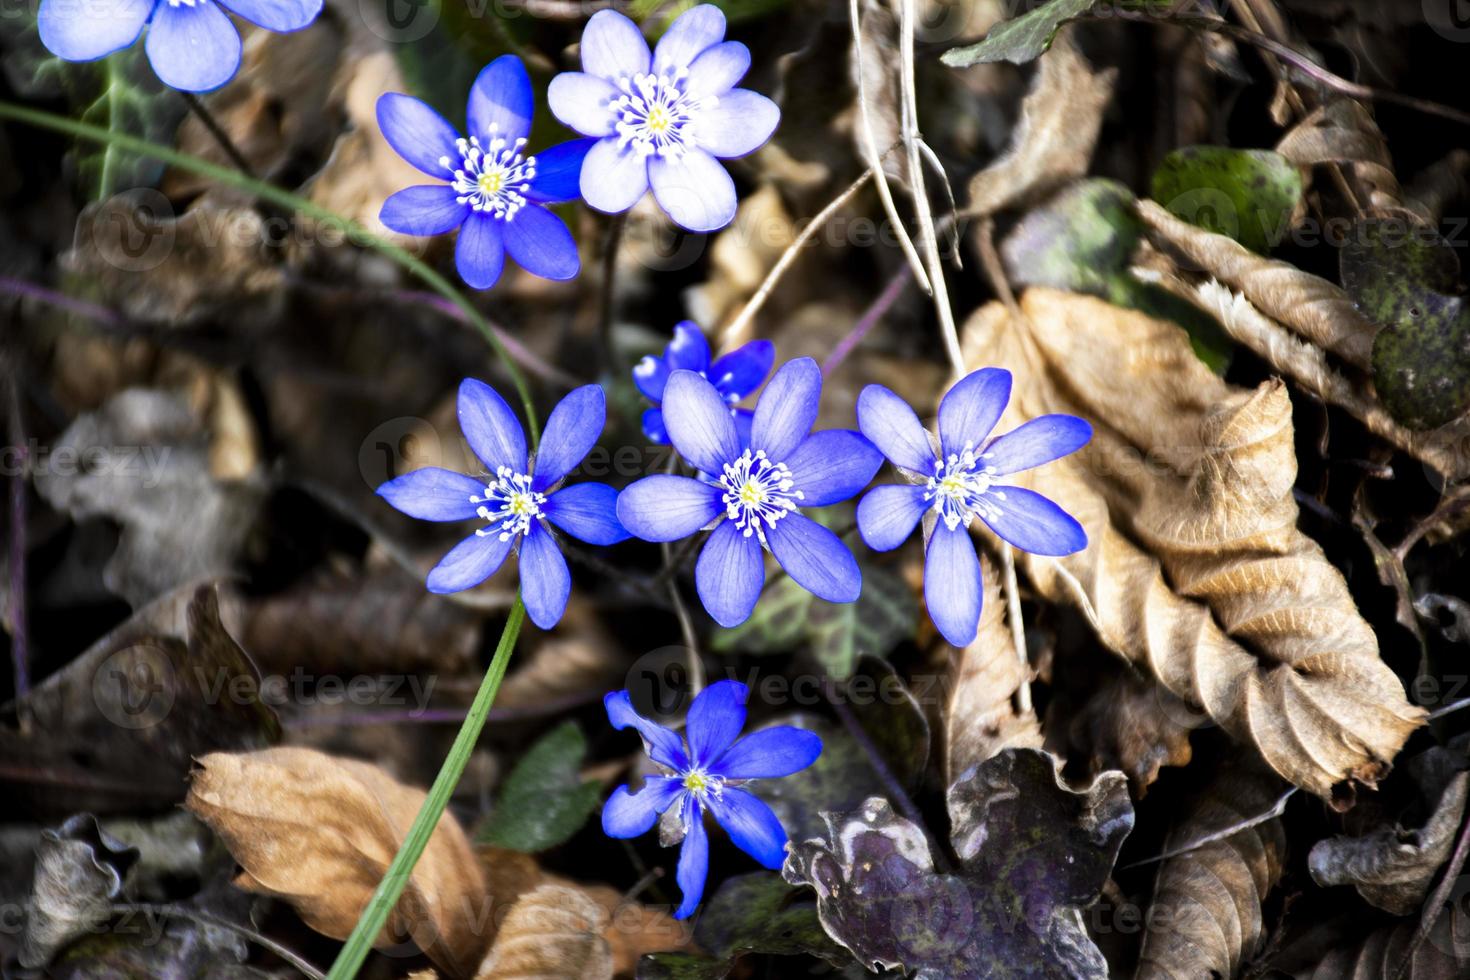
(370, 923)
(355, 232)
(380, 906)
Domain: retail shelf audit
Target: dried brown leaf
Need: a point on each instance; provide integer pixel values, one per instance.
(320, 831)
(554, 933)
(1342, 132)
(1392, 953)
(982, 716)
(1196, 570)
(1205, 918)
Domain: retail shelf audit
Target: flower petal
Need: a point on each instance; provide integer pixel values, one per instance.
(418, 134)
(469, 563)
(193, 49)
(688, 37)
(751, 825)
(699, 422)
(588, 512)
(479, 254)
(572, 430)
(769, 754)
(583, 102)
(1033, 523)
(664, 507)
(718, 69)
(832, 466)
(787, 408)
(688, 351)
(490, 427)
(741, 371)
(427, 209)
(280, 16)
(887, 420)
(75, 30)
(613, 47)
(1041, 440)
(653, 426)
(740, 124)
(952, 584)
(744, 419)
(433, 494)
(972, 407)
(694, 190)
(888, 514)
(729, 574)
(628, 814)
(714, 721)
(815, 558)
(650, 375)
(545, 581)
(500, 101)
(559, 172)
(693, 859)
(613, 179)
(663, 746)
(541, 243)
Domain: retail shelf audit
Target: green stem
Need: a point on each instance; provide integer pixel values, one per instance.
(370, 923)
(283, 198)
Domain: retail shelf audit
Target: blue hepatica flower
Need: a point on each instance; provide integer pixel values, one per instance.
(663, 120)
(962, 482)
(191, 43)
(517, 499)
(754, 492)
(707, 776)
(734, 376)
(496, 192)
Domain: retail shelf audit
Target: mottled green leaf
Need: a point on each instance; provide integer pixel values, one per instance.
(1020, 39)
(543, 802)
(1248, 195)
(1407, 281)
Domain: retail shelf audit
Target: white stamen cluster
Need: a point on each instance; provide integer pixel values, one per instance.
(758, 493)
(960, 488)
(509, 504)
(492, 178)
(656, 115)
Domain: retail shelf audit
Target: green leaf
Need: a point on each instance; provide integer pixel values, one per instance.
(1405, 279)
(543, 803)
(1246, 194)
(1020, 39)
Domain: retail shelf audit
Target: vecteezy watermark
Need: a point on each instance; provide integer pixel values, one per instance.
(144, 465)
(1450, 19)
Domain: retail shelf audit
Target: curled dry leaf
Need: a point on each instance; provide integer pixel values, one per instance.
(1205, 918)
(1196, 569)
(554, 933)
(1342, 132)
(79, 874)
(1395, 953)
(982, 716)
(320, 832)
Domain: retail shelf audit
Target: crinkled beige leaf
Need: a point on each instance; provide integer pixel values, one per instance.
(982, 716)
(1205, 918)
(320, 831)
(1394, 953)
(1342, 132)
(1128, 721)
(554, 933)
(1196, 570)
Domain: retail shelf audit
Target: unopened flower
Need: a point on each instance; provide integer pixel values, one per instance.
(663, 120)
(707, 776)
(191, 44)
(755, 492)
(963, 481)
(734, 376)
(517, 498)
(495, 190)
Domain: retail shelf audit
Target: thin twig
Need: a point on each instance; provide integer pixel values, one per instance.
(607, 307)
(686, 628)
(1018, 627)
(217, 131)
(521, 354)
(870, 319)
(61, 301)
(1450, 708)
(19, 633)
(1434, 905)
(204, 918)
(1277, 809)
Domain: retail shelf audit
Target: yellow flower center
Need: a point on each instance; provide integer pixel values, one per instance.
(659, 120)
(752, 493)
(492, 181)
(696, 782)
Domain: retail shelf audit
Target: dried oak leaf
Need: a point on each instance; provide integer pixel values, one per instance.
(554, 933)
(1032, 851)
(320, 831)
(1205, 918)
(1196, 569)
(982, 716)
